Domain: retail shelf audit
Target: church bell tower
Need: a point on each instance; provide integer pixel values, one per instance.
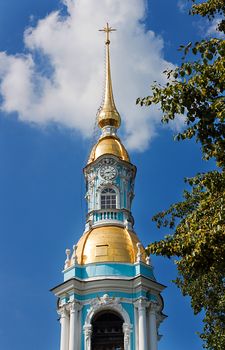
(110, 299)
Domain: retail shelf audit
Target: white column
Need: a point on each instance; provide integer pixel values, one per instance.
(142, 324)
(136, 326)
(79, 327)
(64, 321)
(153, 327)
(73, 341)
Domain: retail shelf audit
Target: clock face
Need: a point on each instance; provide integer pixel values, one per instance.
(108, 172)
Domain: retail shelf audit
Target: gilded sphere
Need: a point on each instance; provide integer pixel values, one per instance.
(109, 117)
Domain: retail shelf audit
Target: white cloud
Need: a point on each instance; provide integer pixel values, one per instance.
(60, 79)
(212, 28)
(183, 6)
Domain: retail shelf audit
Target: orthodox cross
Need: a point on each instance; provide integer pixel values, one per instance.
(107, 30)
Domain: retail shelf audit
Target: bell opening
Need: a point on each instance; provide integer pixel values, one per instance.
(107, 331)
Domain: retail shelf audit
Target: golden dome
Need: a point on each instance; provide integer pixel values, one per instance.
(108, 145)
(108, 244)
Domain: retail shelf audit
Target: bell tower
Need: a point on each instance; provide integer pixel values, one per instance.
(110, 299)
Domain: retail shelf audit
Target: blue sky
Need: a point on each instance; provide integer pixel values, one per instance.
(42, 209)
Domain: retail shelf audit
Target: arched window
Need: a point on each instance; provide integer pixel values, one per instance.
(108, 199)
(107, 331)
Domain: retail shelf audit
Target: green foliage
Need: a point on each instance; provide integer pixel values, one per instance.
(210, 9)
(196, 90)
(198, 241)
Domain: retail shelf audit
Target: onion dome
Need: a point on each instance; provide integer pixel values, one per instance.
(108, 244)
(109, 145)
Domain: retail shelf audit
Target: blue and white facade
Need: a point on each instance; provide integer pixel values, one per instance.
(114, 177)
(109, 298)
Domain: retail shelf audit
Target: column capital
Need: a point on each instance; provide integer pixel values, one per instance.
(154, 307)
(63, 312)
(141, 304)
(74, 306)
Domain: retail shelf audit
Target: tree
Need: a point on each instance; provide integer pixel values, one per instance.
(196, 90)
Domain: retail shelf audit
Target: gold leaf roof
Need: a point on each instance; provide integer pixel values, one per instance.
(108, 244)
(109, 145)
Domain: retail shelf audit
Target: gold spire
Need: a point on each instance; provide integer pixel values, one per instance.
(108, 115)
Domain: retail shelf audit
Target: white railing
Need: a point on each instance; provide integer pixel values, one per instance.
(107, 214)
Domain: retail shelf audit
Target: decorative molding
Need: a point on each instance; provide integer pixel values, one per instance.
(87, 336)
(107, 183)
(127, 329)
(139, 254)
(74, 254)
(108, 131)
(107, 303)
(149, 261)
(67, 261)
(107, 161)
(105, 300)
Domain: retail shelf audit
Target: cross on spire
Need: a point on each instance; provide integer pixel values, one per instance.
(107, 30)
(108, 114)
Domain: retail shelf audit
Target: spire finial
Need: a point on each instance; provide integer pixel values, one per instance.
(108, 115)
(107, 30)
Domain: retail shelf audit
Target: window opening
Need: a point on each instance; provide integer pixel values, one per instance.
(108, 199)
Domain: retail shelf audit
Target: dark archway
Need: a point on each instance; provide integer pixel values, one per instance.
(107, 331)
